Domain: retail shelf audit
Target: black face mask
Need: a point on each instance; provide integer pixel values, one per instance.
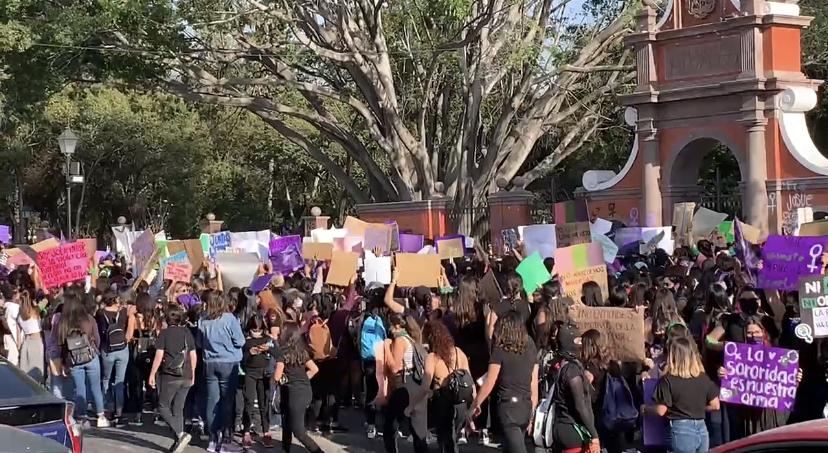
(749, 306)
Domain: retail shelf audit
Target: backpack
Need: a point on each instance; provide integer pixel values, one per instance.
(78, 349)
(418, 361)
(115, 335)
(460, 384)
(175, 367)
(619, 409)
(545, 360)
(372, 332)
(319, 340)
(542, 429)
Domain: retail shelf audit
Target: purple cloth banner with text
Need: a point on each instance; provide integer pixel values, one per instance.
(787, 258)
(286, 254)
(759, 376)
(653, 428)
(410, 243)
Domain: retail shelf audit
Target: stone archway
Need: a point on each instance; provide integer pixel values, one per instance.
(714, 74)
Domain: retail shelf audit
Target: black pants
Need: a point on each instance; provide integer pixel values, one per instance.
(514, 419)
(172, 394)
(369, 374)
(567, 437)
(325, 385)
(449, 420)
(138, 391)
(350, 386)
(256, 387)
(394, 417)
(294, 405)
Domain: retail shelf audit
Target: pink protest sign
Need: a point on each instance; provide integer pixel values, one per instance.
(63, 264)
(348, 244)
(178, 272)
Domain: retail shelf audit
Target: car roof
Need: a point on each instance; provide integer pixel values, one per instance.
(815, 430)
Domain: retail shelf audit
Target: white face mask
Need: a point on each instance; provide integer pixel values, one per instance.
(297, 304)
(255, 334)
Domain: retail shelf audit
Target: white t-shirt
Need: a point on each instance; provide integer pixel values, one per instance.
(12, 313)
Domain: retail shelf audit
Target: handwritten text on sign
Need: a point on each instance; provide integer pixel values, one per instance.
(63, 264)
(787, 258)
(178, 272)
(622, 327)
(760, 376)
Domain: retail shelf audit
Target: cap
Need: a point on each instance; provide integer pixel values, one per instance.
(421, 292)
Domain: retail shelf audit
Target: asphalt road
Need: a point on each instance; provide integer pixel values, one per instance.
(157, 438)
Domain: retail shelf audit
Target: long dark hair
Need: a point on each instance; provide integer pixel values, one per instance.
(440, 342)
(292, 343)
(594, 349)
(73, 319)
(145, 306)
(510, 333)
(466, 308)
(216, 305)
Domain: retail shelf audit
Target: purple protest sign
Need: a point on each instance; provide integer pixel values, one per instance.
(653, 428)
(411, 243)
(787, 258)
(628, 240)
(759, 376)
(286, 254)
(260, 283)
(5, 237)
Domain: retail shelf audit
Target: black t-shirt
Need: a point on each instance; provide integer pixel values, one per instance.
(173, 341)
(686, 399)
(255, 361)
(515, 378)
(521, 307)
(297, 375)
(107, 318)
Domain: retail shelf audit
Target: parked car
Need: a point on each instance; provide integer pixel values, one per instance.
(16, 440)
(806, 437)
(27, 405)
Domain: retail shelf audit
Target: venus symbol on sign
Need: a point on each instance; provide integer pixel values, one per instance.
(634, 217)
(815, 252)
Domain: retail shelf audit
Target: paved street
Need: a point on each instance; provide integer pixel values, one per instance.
(154, 438)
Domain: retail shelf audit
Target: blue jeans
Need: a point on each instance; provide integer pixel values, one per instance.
(221, 379)
(688, 436)
(83, 375)
(118, 361)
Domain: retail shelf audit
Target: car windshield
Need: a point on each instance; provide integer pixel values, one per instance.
(16, 384)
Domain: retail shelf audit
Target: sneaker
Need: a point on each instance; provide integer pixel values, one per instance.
(267, 441)
(182, 442)
(484, 438)
(462, 439)
(247, 440)
(230, 447)
(372, 432)
(103, 422)
(211, 447)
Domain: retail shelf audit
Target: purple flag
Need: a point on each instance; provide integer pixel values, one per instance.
(744, 252)
(5, 238)
(260, 283)
(759, 376)
(286, 254)
(654, 429)
(787, 258)
(411, 243)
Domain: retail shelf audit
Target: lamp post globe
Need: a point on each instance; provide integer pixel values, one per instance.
(67, 142)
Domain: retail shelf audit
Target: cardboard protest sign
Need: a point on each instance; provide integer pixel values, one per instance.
(193, 249)
(749, 232)
(343, 266)
(142, 249)
(237, 269)
(579, 256)
(180, 257)
(623, 328)
(533, 273)
(573, 233)
(355, 226)
(571, 211)
(395, 235)
(418, 269)
(315, 251)
(705, 221)
(683, 221)
(449, 247)
(539, 238)
(787, 258)
(490, 292)
(178, 272)
(377, 237)
(63, 264)
(811, 229)
(813, 311)
(759, 376)
(411, 243)
(572, 281)
(45, 244)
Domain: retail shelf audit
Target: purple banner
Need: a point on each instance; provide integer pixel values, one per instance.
(759, 376)
(5, 237)
(279, 244)
(787, 258)
(286, 254)
(411, 243)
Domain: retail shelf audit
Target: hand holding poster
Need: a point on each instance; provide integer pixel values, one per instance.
(63, 264)
(760, 376)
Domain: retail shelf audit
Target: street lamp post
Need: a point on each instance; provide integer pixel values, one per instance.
(67, 142)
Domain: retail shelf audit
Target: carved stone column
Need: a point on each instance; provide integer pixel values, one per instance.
(755, 202)
(650, 170)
